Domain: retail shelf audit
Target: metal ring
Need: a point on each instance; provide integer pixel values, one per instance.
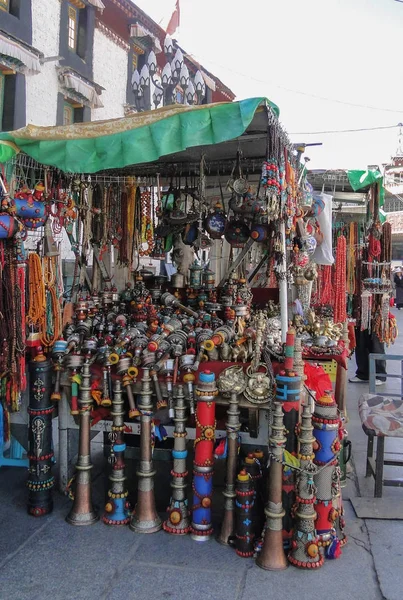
(249, 372)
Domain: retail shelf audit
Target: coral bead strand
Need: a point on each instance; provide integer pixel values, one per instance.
(340, 313)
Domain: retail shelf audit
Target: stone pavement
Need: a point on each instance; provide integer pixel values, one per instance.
(47, 558)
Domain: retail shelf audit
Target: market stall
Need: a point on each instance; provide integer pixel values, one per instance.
(194, 232)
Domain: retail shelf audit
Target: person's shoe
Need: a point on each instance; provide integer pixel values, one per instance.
(379, 382)
(357, 380)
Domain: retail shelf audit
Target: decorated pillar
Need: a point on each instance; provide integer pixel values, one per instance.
(178, 521)
(145, 518)
(304, 551)
(288, 393)
(82, 512)
(327, 424)
(117, 507)
(206, 392)
(272, 557)
(232, 383)
(244, 508)
(40, 453)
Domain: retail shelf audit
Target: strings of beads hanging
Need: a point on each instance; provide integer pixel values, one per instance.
(340, 313)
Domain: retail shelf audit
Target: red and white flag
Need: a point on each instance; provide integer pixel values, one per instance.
(174, 20)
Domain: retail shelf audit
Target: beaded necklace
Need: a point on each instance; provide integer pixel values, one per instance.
(131, 221)
(147, 229)
(340, 314)
(327, 287)
(52, 325)
(352, 243)
(37, 297)
(386, 242)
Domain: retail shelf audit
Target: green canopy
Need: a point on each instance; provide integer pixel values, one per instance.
(362, 179)
(139, 138)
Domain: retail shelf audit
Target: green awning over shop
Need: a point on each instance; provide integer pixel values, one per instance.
(139, 138)
(362, 179)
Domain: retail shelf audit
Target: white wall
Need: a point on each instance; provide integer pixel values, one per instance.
(110, 71)
(42, 88)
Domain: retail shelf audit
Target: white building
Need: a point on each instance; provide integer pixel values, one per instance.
(66, 61)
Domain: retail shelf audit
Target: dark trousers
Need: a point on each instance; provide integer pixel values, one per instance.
(368, 343)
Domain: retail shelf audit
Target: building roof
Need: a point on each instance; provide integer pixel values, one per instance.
(135, 13)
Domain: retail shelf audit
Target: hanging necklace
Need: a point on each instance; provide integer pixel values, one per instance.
(147, 230)
(340, 314)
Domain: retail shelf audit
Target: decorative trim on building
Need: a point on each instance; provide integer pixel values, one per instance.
(18, 56)
(230, 97)
(113, 36)
(135, 12)
(99, 5)
(210, 83)
(79, 88)
(77, 3)
(138, 49)
(140, 32)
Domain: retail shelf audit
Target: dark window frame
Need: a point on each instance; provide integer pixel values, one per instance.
(8, 104)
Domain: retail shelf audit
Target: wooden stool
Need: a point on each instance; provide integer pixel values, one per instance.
(381, 417)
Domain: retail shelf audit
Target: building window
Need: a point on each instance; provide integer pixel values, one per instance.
(77, 30)
(2, 78)
(72, 28)
(7, 101)
(81, 46)
(72, 113)
(68, 114)
(11, 6)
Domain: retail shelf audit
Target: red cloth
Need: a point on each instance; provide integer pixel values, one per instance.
(316, 379)
(351, 337)
(174, 20)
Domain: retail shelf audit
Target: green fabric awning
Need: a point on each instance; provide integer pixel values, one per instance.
(139, 138)
(362, 179)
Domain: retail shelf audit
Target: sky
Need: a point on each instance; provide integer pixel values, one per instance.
(316, 59)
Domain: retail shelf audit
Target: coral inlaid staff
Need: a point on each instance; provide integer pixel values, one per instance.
(206, 392)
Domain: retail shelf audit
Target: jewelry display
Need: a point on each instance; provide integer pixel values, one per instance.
(188, 310)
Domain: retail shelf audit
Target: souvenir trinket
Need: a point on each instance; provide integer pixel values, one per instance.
(259, 386)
